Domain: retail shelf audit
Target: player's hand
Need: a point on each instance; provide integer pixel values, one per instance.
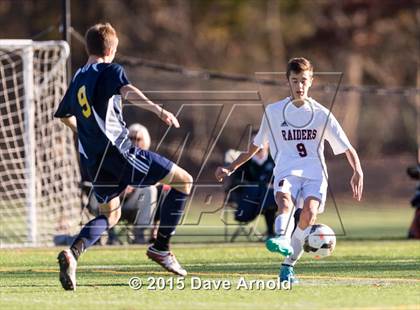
(169, 118)
(356, 183)
(221, 173)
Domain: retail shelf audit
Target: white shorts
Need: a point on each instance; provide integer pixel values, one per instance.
(301, 188)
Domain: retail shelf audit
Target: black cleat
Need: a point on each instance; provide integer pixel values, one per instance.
(68, 265)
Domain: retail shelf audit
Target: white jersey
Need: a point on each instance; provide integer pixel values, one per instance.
(296, 137)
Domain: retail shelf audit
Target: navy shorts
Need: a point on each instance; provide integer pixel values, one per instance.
(137, 168)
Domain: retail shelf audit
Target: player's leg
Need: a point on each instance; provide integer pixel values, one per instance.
(314, 194)
(179, 179)
(110, 213)
(285, 190)
(171, 212)
(284, 222)
(173, 205)
(149, 168)
(307, 218)
(164, 171)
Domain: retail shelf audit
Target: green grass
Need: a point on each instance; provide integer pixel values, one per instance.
(364, 220)
(361, 274)
(372, 267)
(350, 221)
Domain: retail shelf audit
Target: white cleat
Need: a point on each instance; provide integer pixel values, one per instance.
(68, 265)
(167, 260)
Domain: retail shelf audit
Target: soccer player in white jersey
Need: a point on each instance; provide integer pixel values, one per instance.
(295, 129)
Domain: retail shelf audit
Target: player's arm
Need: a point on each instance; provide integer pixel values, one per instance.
(356, 181)
(339, 142)
(222, 172)
(70, 122)
(63, 112)
(135, 95)
(259, 141)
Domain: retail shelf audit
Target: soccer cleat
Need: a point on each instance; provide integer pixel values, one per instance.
(68, 265)
(288, 274)
(279, 245)
(167, 260)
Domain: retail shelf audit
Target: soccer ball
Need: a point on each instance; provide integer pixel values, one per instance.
(319, 240)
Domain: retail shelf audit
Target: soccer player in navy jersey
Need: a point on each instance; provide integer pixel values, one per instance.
(91, 107)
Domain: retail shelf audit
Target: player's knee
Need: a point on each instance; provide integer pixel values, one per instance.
(181, 180)
(284, 202)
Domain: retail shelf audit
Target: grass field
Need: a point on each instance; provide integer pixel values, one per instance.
(351, 221)
(373, 267)
(369, 274)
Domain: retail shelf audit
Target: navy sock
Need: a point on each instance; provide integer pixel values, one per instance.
(170, 214)
(89, 234)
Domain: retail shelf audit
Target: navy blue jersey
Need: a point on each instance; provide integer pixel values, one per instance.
(93, 97)
(107, 155)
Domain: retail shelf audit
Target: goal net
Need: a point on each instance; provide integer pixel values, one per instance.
(39, 175)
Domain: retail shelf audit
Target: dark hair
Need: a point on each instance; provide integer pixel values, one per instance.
(99, 38)
(298, 65)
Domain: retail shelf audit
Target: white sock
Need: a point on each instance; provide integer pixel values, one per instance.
(283, 225)
(297, 245)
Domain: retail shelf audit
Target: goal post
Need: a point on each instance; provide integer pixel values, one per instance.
(39, 175)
